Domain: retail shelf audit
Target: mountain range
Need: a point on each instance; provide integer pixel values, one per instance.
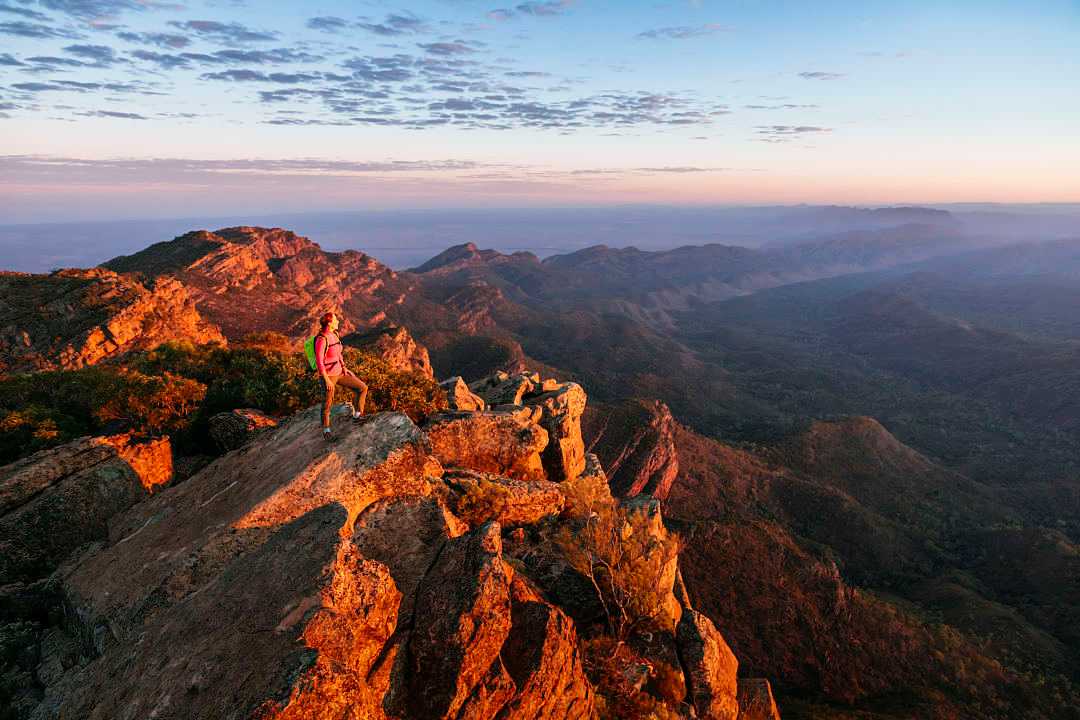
(868, 439)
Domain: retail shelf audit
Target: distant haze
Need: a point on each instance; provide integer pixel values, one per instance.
(406, 238)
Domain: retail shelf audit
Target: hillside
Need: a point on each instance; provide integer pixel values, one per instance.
(74, 318)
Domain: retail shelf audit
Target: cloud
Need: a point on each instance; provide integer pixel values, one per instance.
(166, 41)
(327, 24)
(553, 7)
(447, 49)
(23, 12)
(19, 28)
(247, 167)
(162, 60)
(256, 76)
(818, 75)
(112, 114)
(10, 61)
(787, 133)
(396, 24)
(682, 32)
(784, 106)
(224, 33)
(94, 11)
(52, 63)
(99, 55)
(275, 56)
(550, 8)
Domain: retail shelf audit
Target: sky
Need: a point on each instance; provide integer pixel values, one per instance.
(149, 108)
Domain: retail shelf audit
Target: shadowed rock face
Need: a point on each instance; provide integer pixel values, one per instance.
(56, 500)
(74, 318)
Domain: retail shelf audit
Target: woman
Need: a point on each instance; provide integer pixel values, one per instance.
(331, 364)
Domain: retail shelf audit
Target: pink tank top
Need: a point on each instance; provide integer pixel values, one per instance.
(330, 363)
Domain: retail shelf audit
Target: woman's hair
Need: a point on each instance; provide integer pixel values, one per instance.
(324, 321)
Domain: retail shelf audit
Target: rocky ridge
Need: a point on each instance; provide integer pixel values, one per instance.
(248, 279)
(73, 318)
(401, 571)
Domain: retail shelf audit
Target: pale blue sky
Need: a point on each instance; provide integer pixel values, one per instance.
(203, 107)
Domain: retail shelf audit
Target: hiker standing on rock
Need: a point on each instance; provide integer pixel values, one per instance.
(330, 362)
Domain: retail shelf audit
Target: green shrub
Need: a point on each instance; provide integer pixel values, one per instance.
(45, 409)
(176, 387)
(617, 550)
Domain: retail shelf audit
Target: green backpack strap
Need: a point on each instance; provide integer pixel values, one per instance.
(309, 350)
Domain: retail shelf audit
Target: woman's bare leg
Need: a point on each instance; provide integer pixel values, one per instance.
(351, 381)
(328, 403)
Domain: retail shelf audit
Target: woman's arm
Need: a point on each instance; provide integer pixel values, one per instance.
(320, 355)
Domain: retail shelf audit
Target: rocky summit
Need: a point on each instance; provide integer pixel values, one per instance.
(399, 571)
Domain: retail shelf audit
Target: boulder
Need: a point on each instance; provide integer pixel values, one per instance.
(505, 389)
(451, 665)
(56, 500)
(459, 397)
(756, 700)
(478, 498)
(235, 428)
(562, 408)
(492, 442)
(710, 666)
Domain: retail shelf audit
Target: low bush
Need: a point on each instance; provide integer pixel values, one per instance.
(176, 387)
(617, 550)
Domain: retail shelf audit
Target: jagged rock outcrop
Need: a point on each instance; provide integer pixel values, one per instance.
(394, 345)
(451, 666)
(363, 578)
(710, 666)
(563, 405)
(235, 428)
(295, 578)
(460, 397)
(56, 500)
(635, 441)
(756, 700)
(249, 279)
(74, 318)
(494, 442)
(505, 389)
